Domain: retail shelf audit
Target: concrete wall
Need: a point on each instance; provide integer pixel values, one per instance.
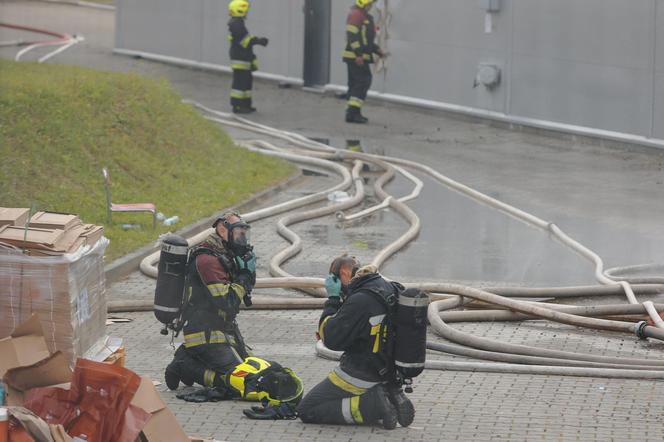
(591, 63)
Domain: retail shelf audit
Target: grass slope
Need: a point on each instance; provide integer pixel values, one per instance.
(59, 125)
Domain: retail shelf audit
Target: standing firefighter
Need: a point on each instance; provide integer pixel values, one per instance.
(243, 60)
(358, 56)
(363, 388)
(221, 274)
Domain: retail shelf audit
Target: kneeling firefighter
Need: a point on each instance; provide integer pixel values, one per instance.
(360, 318)
(199, 291)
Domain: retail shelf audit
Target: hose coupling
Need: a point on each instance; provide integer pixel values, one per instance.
(640, 329)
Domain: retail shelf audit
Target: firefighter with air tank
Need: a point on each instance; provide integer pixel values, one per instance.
(381, 328)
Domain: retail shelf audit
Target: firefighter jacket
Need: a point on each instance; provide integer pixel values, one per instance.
(242, 46)
(360, 36)
(359, 328)
(213, 298)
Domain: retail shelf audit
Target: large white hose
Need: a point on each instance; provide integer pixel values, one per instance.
(467, 293)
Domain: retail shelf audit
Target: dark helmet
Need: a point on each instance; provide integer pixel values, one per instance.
(239, 238)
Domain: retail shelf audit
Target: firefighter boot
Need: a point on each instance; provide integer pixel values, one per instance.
(176, 371)
(403, 405)
(243, 109)
(353, 115)
(386, 411)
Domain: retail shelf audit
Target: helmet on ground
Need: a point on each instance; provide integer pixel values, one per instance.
(239, 8)
(257, 379)
(364, 3)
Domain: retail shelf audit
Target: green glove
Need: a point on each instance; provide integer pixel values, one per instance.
(333, 286)
(247, 262)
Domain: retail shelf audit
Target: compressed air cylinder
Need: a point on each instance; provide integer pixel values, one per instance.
(170, 278)
(411, 332)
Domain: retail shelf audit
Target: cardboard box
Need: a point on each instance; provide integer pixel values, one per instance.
(67, 293)
(13, 216)
(162, 425)
(30, 237)
(54, 220)
(25, 346)
(92, 234)
(26, 364)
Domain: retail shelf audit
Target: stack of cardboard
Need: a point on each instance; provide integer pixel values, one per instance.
(46, 233)
(27, 365)
(44, 270)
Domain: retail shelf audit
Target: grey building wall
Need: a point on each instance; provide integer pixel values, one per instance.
(591, 63)
(196, 30)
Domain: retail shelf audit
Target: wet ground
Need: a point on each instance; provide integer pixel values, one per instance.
(608, 197)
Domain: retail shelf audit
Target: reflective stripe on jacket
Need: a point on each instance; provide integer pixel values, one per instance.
(242, 42)
(360, 36)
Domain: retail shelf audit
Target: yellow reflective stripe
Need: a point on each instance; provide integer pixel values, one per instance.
(238, 289)
(355, 102)
(355, 45)
(208, 378)
(375, 331)
(355, 409)
(217, 290)
(352, 29)
(348, 54)
(321, 327)
(254, 63)
(216, 337)
(345, 386)
(235, 93)
(364, 35)
(194, 339)
(240, 64)
(246, 40)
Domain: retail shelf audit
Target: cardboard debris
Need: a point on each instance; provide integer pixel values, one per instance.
(13, 216)
(54, 220)
(28, 368)
(25, 346)
(47, 233)
(67, 290)
(162, 425)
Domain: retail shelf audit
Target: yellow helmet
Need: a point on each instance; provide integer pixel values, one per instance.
(364, 3)
(239, 8)
(257, 379)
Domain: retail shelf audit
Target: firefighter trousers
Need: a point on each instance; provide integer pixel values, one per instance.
(243, 81)
(327, 403)
(359, 82)
(206, 364)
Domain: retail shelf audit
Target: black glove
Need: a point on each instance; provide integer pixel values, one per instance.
(247, 280)
(271, 412)
(262, 41)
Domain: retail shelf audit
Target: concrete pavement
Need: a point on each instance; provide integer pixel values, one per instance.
(607, 196)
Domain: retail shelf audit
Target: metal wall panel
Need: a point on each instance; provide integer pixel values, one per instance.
(659, 106)
(594, 63)
(435, 50)
(571, 63)
(658, 111)
(165, 27)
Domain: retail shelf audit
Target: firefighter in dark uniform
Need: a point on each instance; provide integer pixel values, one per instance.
(243, 60)
(359, 390)
(221, 275)
(358, 56)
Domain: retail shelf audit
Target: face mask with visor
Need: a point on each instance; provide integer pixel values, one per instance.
(239, 238)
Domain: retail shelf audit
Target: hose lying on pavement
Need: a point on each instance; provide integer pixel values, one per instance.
(65, 41)
(461, 295)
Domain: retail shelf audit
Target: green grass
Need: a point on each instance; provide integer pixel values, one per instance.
(59, 125)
